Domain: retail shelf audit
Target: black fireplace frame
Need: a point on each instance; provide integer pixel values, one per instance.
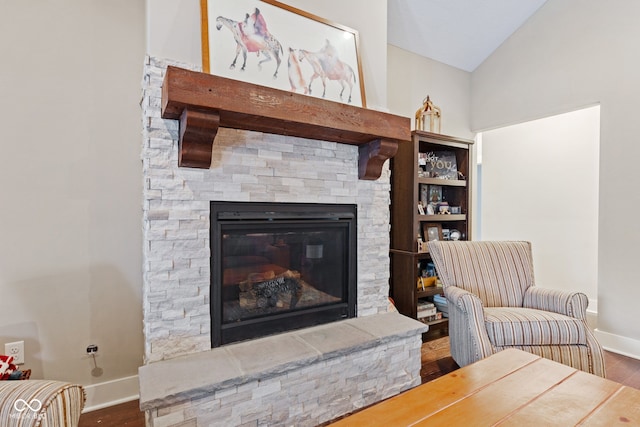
(298, 214)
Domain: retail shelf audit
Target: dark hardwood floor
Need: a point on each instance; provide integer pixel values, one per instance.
(622, 369)
(436, 361)
(125, 415)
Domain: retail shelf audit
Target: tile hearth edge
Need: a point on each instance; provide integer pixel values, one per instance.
(173, 381)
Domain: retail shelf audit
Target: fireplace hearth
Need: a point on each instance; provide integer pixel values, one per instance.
(280, 266)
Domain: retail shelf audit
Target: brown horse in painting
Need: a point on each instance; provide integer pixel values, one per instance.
(326, 65)
(248, 40)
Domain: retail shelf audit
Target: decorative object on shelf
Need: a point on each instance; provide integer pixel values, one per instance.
(441, 165)
(421, 208)
(431, 197)
(445, 233)
(430, 271)
(425, 282)
(435, 194)
(424, 194)
(422, 245)
(443, 209)
(422, 164)
(269, 36)
(430, 114)
(454, 235)
(431, 231)
(456, 210)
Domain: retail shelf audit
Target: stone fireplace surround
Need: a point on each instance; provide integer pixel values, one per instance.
(304, 377)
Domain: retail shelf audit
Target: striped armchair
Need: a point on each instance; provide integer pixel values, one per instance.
(494, 304)
(40, 403)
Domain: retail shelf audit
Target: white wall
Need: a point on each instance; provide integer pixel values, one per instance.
(412, 77)
(570, 54)
(174, 33)
(173, 30)
(540, 184)
(70, 250)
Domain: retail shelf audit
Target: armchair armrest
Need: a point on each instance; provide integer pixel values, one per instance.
(573, 304)
(468, 334)
(56, 403)
(464, 300)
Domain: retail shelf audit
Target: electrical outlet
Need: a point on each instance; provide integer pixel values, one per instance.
(15, 349)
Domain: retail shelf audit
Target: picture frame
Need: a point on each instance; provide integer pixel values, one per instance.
(422, 164)
(431, 231)
(441, 165)
(272, 44)
(424, 194)
(434, 195)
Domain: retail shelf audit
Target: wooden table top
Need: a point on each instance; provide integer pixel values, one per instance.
(510, 388)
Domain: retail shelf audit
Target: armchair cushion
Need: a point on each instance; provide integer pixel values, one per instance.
(508, 326)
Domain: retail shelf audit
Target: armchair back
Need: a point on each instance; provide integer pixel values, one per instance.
(498, 273)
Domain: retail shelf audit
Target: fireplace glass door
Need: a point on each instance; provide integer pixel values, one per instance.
(280, 267)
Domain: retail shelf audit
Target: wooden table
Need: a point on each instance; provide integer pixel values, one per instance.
(510, 388)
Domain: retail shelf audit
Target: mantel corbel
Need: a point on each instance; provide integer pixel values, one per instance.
(198, 130)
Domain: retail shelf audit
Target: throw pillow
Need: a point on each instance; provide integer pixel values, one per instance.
(6, 367)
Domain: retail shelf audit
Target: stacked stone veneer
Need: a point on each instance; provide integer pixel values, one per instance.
(246, 166)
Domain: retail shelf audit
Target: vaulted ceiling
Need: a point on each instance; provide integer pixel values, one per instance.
(460, 33)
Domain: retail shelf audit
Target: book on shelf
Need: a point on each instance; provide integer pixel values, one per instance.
(441, 304)
(431, 318)
(422, 305)
(439, 299)
(426, 312)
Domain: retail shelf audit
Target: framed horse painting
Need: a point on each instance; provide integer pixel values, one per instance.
(269, 43)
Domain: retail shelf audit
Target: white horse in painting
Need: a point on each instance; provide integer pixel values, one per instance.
(326, 65)
(249, 40)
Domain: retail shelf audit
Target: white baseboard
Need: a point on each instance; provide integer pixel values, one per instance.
(592, 314)
(109, 393)
(592, 320)
(619, 344)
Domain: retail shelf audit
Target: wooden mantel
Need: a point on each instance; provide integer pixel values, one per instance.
(204, 102)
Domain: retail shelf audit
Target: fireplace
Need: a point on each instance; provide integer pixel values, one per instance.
(303, 377)
(280, 266)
